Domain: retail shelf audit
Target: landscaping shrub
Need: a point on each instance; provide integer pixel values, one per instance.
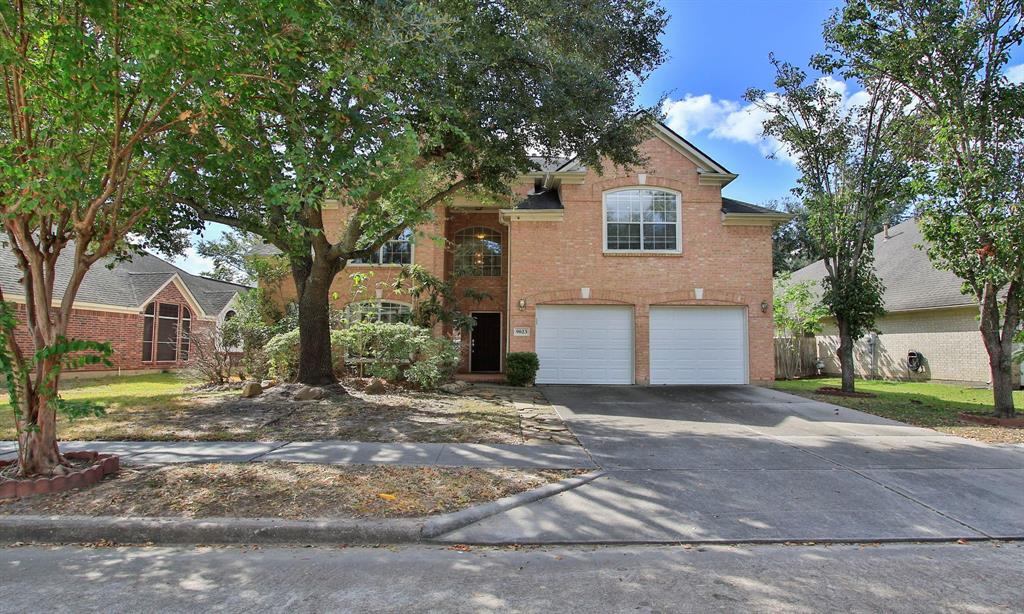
(209, 357)
(435, 363)
(283, 354)
(521, 368)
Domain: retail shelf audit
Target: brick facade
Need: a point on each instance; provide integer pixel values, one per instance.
(552, 261)
(549, 262)
(123, 329)
(948, 338)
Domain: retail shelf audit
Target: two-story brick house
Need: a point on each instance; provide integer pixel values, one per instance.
(634, 276)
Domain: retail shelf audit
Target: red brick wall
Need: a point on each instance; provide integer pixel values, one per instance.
(495, 286)
(122, 330)
(551, 261)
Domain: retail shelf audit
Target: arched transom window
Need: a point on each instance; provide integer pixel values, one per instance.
(378, 311)
(165, 332)
(478, 252)
(642, 220)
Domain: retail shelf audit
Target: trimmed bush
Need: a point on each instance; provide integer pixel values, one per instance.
(521, 368)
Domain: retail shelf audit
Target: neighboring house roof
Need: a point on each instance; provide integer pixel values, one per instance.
(129, 284)
(911, 281)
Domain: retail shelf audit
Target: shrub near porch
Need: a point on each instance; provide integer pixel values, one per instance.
(931, 405)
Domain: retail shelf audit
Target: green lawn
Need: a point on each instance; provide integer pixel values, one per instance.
(922, 404)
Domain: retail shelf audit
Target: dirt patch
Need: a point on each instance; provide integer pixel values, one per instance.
(285, 490)
(481, 414)
(838, 392)
(1014, 423)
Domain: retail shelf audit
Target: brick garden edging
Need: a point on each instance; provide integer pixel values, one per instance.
(104, 464)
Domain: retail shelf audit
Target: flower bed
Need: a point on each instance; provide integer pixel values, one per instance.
(102, 465)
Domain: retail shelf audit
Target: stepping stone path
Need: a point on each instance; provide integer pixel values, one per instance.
(537, 418)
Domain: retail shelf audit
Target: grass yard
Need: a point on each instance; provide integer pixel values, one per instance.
(931, 405)
(285, 490)
(159, 408)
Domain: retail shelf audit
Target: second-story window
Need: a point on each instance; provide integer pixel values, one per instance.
(478, 252)
(642, 220)
(395, 251)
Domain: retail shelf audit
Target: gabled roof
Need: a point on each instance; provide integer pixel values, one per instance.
(125, 285)
(911, 281)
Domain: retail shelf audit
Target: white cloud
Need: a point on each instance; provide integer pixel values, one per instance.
(1015, 73)
(193, 262)
(692, 115)
(731, 120)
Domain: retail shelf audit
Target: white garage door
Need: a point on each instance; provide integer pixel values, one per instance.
(698, 345)
(584, 344)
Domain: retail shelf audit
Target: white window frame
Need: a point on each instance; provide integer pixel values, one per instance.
(679, 222)
(380, 254)
(378, 303)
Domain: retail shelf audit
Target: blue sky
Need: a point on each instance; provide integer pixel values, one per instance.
(717, 49)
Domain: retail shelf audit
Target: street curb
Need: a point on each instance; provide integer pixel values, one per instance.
(72, 529)
(438, 525)
(148, 530)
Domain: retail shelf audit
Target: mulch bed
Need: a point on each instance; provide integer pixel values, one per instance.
(838, 392)
(1015, 423)
(87, 468)
(285, 490)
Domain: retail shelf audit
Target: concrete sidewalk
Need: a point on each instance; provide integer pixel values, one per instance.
(335, 453)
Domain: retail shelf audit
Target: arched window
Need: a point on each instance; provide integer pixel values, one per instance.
(378, 311)
(642, 220)
(478, 252)
(165, 332)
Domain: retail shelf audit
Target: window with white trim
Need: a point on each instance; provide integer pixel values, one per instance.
(642, 220)
(389, 312)
(396, 251)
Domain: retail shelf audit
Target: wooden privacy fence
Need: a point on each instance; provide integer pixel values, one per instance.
(795, 357)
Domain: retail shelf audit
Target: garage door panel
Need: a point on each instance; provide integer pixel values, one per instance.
(698, 345)
(580, 344)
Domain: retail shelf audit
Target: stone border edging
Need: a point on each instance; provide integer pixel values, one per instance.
(126, 530)
(107, 464)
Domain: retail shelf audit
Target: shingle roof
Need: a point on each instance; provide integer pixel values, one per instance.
(543, 200)
(911, 281)
(551, 165)
(731, 205)
(124, 284)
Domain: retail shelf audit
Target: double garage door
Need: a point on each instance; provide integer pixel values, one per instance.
(584, 344)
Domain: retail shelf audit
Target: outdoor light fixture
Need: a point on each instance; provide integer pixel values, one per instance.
(764, 306)
(698, 293)
(522, 304)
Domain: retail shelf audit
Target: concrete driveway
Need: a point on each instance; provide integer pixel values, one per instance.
(742, 463)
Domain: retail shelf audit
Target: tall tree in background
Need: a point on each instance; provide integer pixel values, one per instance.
(852, 175)
(232, 257)
(792, 246)
(387, 109)
(93, 89)
(950, 56)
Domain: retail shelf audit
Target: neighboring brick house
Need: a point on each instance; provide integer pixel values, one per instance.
(637, 276)
(925, 313)
(144, 307)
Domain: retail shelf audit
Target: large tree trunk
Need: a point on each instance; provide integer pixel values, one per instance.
(313, 284)
(38, 454)
(999, 345)
(846, 366)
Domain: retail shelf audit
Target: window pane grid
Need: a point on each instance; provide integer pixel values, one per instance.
(395, 251)
(641, 220)
(478, 252)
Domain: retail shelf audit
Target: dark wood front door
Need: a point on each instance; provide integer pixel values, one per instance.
(485, 348)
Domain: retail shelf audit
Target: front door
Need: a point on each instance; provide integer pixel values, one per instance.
(485, 344)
